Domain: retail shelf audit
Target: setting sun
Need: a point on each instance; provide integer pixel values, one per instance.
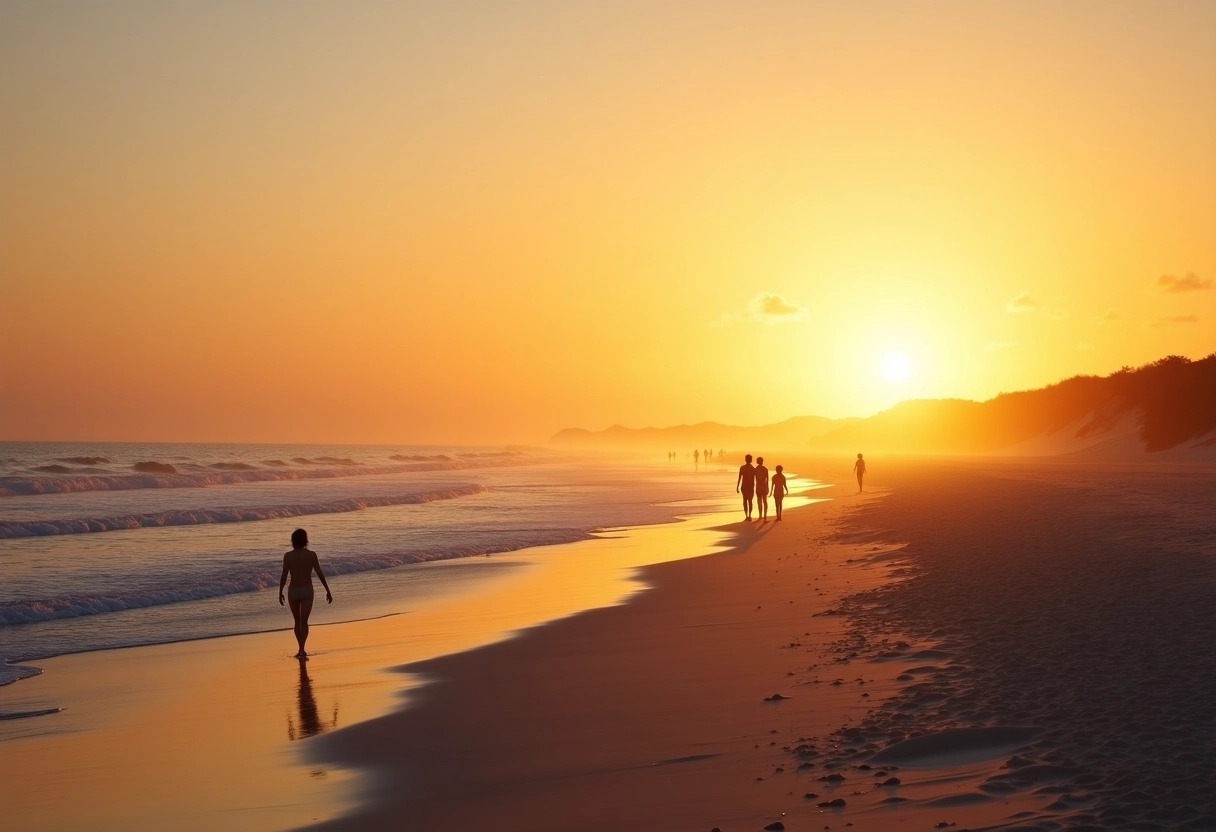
(896, 367)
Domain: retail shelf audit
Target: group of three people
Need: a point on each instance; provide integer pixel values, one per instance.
(754, 484)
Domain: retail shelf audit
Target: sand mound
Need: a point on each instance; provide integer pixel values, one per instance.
(954, 746)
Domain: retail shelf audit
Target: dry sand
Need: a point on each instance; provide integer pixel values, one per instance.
(1014, 646)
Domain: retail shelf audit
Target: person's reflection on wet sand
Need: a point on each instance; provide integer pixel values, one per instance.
(310, 720)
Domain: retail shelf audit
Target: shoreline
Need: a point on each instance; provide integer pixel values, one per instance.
(110, 708)
(918, 678)
(986, 635)
(656, 714)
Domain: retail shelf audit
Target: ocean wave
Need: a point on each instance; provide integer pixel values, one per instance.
(84, 460)
(201, 516)
(53, 469)
(30, 611)
(154, 468)
(10, 673)
(26, 486)
(233, 466)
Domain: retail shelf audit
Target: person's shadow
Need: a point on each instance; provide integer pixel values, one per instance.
(310, 723)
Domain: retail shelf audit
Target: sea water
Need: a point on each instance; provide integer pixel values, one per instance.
(118, 545)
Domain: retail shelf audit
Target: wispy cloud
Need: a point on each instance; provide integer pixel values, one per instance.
(1022, 303)
(1172, 320)
(765, 308)
(1026, 304)
(1190, 283)
(996, 346)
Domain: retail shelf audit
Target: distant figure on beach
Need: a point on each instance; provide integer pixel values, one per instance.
(762, 488)
(746, 485)
(780, 489)
(696, 458)
(859, 468)
(299, 563)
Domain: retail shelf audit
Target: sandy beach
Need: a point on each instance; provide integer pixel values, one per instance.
(491, 300)
(971, 645)
(967, 645)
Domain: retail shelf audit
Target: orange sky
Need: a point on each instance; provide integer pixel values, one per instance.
(486, 221)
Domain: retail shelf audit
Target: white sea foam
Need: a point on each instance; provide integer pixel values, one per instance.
(230, 514)
(68, 483)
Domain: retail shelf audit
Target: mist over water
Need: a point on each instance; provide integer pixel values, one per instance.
(141, 557)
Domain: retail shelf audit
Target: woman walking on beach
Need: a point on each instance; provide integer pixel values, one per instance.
(299, 564)
(762, 488)
(780, 489)
(859, 468)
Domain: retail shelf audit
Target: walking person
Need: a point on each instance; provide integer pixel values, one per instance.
(299, 564)
(746, 485)
(780, 489)
(762, 488)
(859, 468)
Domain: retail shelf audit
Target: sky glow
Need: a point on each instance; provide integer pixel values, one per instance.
(485, 222)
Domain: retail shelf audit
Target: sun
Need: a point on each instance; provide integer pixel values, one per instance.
(896, 367)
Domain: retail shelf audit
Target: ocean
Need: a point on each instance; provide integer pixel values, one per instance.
(117, 545)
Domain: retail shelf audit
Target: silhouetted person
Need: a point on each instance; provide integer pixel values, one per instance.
(299, 563)
(859, 468)
(780, 489)
(746, 485)
(762, 487)
(696, 458)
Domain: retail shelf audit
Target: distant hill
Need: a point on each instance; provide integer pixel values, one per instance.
(792, 433)
(1167, 405)
(1165, 409)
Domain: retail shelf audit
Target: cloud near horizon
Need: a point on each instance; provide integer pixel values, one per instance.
(1171, 320)
(1025, 303)
(1190, 283)
(765, 308)
(1022, 303)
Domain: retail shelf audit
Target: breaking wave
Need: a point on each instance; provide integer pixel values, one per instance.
(166, 476)
(29, 611)
(201, 516)
(154, 468)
